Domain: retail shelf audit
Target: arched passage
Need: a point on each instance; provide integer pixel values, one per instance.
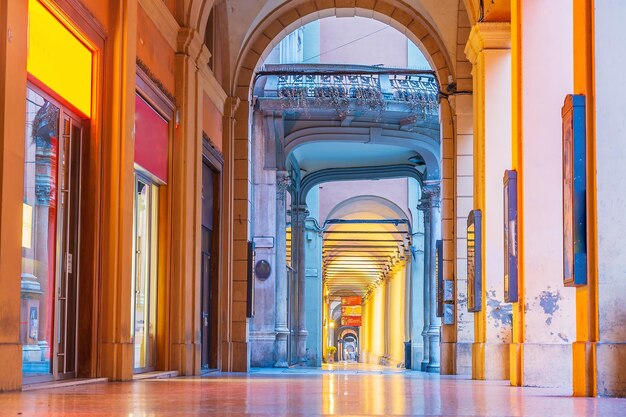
(279, 22)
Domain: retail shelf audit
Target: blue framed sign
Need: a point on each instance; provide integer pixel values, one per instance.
(439, 274)
(510, 236)
(474, 261)
(574, 192)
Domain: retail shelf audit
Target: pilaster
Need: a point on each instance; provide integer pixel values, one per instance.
(299, 215)
(13, 40)
(488, 49)
(283, 182)
(116, 343)
(186, 208)
(432, 192)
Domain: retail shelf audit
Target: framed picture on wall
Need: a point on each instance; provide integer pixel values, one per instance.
(474, 261)
(439, 275)
(510, 236)
(574, 192)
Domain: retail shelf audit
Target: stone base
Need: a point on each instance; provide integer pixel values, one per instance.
(117, 361)
(490, 361)
(463, 358)
(547, 365)
(10, 367)
(584, 368)
(262, 352)
(417, 355)
(448, 358)
(611, 369)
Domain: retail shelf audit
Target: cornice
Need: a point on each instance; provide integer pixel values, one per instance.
(487, 35)
(189, 42)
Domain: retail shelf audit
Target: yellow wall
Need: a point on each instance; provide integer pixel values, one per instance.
(397, 302)
(383, 330)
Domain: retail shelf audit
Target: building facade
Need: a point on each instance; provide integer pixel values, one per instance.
(127, 163)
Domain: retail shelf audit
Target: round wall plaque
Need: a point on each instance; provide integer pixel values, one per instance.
(262, 269)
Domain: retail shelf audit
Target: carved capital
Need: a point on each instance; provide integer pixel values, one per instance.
(487, 35)
(431, 195)
(300, 214)
(189, 42)
(283, 182)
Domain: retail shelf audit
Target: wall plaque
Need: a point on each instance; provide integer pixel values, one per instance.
(574, 192)
(474, 261)
(510, 236)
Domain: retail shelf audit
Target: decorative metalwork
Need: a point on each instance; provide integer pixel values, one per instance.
(365, 91)
(421, 93)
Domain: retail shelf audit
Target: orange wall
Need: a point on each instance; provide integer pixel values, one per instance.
(212, 121)
(154, 51)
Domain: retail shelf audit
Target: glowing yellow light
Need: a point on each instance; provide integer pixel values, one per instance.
(58, 59)
(27, 225)
(332, 324)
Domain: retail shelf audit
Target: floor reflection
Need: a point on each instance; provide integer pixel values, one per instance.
(338, 389)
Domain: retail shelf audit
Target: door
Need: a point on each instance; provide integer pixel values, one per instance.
(50, 239)
(68, 225)
(207, 319)
(145, 272)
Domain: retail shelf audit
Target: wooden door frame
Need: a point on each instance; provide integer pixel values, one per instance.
(215, 160)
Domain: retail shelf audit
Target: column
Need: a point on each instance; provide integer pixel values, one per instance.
(425, 208)
(282, 185)
(408, 309)
(116, 298)
(13, 40)
(432, 192)
(601, 331)
(185, 355)
(544, 318)
(417, 294)
(488, 49)
(299, 216)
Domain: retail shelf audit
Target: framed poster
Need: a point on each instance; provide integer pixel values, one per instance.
(574, 192)
(510, 236)
(474, 261)
(439, 275)
(250, 286)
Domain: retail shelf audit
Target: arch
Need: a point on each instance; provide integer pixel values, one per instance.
(353, 174)
(336, 212)
(427, 147)
(194, 14)
(285, 18)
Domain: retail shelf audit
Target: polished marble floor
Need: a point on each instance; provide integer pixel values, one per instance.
(342, 389)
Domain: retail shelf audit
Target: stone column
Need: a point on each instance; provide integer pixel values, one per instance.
(13, 37)
(432, 192)
(417, 296)
(115, 359)
(425, 208)
(299, 216)
(488, 49)
(282, 185)
(408, 309)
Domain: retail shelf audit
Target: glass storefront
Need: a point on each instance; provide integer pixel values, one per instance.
(49, 238)
(145, 270)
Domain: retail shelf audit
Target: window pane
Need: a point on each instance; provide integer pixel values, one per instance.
(39, 233)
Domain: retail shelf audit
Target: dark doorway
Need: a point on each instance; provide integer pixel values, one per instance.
(209, 266)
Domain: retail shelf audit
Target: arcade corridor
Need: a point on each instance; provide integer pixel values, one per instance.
(340, 390)
(312, 207)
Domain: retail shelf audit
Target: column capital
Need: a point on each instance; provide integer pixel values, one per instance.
(299, 214)
(283, 181)
(487, 35)
(189, 42)
(431, 193)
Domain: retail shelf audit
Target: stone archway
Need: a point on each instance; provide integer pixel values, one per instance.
(272, 28)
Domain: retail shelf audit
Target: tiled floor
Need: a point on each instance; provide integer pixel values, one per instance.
(340, 390)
